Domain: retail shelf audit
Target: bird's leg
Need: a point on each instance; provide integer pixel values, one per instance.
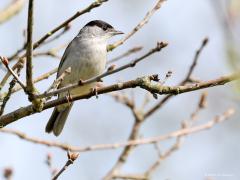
(69, 98)
(94, 90)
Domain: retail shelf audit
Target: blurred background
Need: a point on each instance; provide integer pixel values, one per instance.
(183, 25)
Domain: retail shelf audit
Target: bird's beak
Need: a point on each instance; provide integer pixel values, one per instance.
(115, 32)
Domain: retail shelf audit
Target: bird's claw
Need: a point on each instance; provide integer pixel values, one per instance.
(95, 91)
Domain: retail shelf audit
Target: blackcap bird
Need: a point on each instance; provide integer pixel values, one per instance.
(86, 55)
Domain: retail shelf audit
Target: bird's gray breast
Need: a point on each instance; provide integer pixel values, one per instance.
(87, 59)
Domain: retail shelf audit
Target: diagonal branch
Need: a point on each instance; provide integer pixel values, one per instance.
(129, 52)
(5, 62)
(143, 82)
(13, 9)
(195, 60)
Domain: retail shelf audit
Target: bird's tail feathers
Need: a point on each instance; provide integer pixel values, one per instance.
(57, 120)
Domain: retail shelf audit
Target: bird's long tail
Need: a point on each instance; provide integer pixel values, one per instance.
(57, 120)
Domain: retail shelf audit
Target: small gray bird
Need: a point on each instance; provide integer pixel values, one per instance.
(86, 55)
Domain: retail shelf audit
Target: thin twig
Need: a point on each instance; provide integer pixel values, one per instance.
(71, 158)
(65, 29)
(38, 79)
(51, 52)
(7, 97)
(58, 81)
(139, 25)
(49, 164)
(125, 54)
(5, 62)
(195, 60)
(129, 176)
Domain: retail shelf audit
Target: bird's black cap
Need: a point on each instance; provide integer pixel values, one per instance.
(100, 24)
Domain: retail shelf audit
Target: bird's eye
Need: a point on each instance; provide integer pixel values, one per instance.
(104, 28)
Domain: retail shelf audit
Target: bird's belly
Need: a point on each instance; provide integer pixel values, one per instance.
(84, 69)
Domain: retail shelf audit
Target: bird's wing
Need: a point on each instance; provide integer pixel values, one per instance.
(65, 54)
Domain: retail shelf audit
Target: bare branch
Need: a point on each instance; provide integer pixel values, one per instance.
(57, 82)
(141, 141)
(8, 74)
(65, 29)
(7, 97)
(40, 78)
(5, 62)
(29, 54)
(71, 158)
(129, 52)
(143, 82)
(195, 60)
(183, 82)
(139, 25)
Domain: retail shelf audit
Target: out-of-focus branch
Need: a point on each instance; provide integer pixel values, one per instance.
(8, 173)
(179, 140)
(139, 25)
(51, 52)
(141, 141)
(138, 120)
(11, 10)
(195, 60)
(71, 158)
(143, 82)
(129, 52)
(65, 29)
(52, 170)
(130, 176)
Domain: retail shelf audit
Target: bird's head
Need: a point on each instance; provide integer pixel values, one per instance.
(98, 29)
